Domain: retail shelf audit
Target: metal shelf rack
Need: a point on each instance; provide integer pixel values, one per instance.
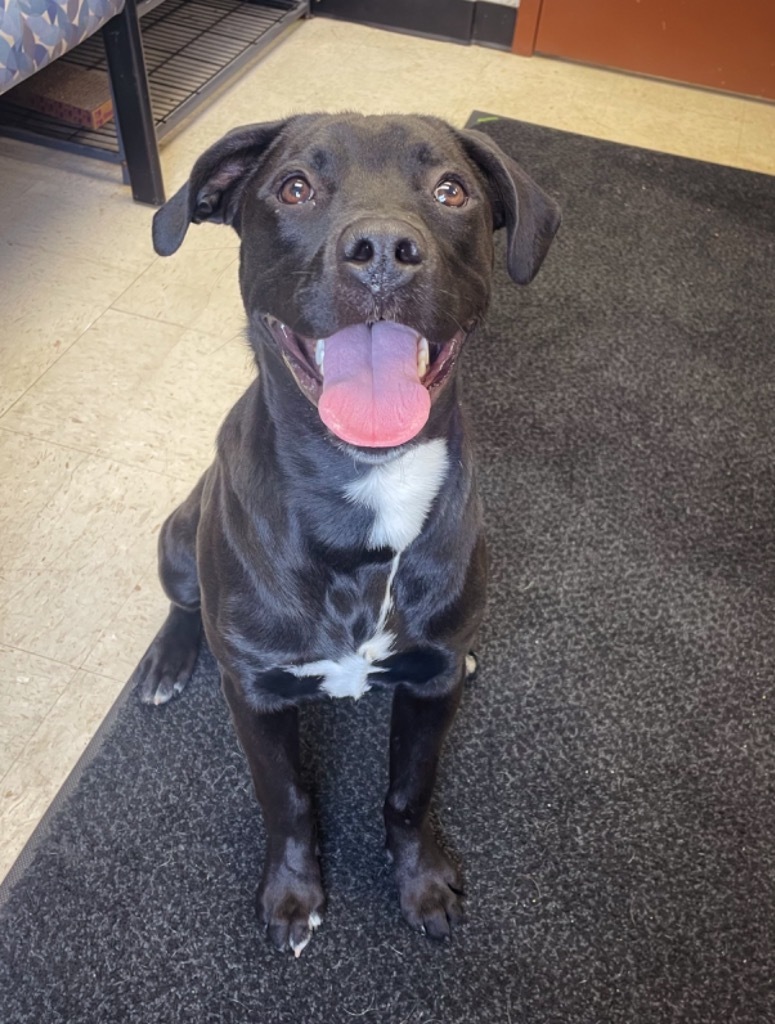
(192, 48)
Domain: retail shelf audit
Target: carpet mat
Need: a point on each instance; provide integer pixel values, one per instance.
(608, 783)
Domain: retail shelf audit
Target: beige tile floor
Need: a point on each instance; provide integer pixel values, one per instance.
(116, 367)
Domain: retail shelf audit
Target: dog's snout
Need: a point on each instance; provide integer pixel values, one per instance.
(382, 254)
(380, 248)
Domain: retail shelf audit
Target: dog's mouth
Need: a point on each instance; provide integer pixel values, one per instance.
(373, 384)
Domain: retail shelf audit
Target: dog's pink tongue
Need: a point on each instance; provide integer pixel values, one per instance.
(372, 395)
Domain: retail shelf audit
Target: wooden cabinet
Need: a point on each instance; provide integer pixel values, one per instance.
(719, 44)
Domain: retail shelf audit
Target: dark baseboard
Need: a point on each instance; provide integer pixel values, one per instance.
(438, 19)
(493, 25)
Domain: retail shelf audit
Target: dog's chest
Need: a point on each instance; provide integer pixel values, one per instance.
(399, 494)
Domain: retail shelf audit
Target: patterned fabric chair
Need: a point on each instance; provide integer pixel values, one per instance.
(35, 32)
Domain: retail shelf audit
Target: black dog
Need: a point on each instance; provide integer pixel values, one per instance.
(335, 543)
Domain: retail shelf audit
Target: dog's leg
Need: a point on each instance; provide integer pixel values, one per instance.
(169, 662)
(289, 901)
(429, 884)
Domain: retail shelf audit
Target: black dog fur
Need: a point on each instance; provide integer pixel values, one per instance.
(317, 565)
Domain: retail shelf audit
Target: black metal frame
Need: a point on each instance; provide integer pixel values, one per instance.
(156, 84)
(132, 105)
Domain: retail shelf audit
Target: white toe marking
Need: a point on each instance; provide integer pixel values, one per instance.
(299, 947)
(314, 921)
(400, 493)
(470, 664)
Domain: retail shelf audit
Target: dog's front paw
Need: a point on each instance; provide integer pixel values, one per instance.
(430, 889)
(169, 662)
(289, 904)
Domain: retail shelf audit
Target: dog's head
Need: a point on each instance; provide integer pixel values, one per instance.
(367, 253)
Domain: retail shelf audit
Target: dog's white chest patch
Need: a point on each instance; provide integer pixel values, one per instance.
(349, 676)
(401, 492)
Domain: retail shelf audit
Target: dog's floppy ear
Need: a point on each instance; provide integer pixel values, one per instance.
(212, 191)
(529, 215)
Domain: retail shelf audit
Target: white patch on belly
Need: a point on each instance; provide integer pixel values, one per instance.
(349, 676)
(401, 492)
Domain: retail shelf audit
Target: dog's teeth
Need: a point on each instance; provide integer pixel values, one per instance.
(320, 352)
(423, 357)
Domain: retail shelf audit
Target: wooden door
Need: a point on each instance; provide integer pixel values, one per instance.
(722, 44)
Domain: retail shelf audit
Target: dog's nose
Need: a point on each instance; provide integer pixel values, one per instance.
(382, 254)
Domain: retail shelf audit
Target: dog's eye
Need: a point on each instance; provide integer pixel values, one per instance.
(296, 190)
(450, 193)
